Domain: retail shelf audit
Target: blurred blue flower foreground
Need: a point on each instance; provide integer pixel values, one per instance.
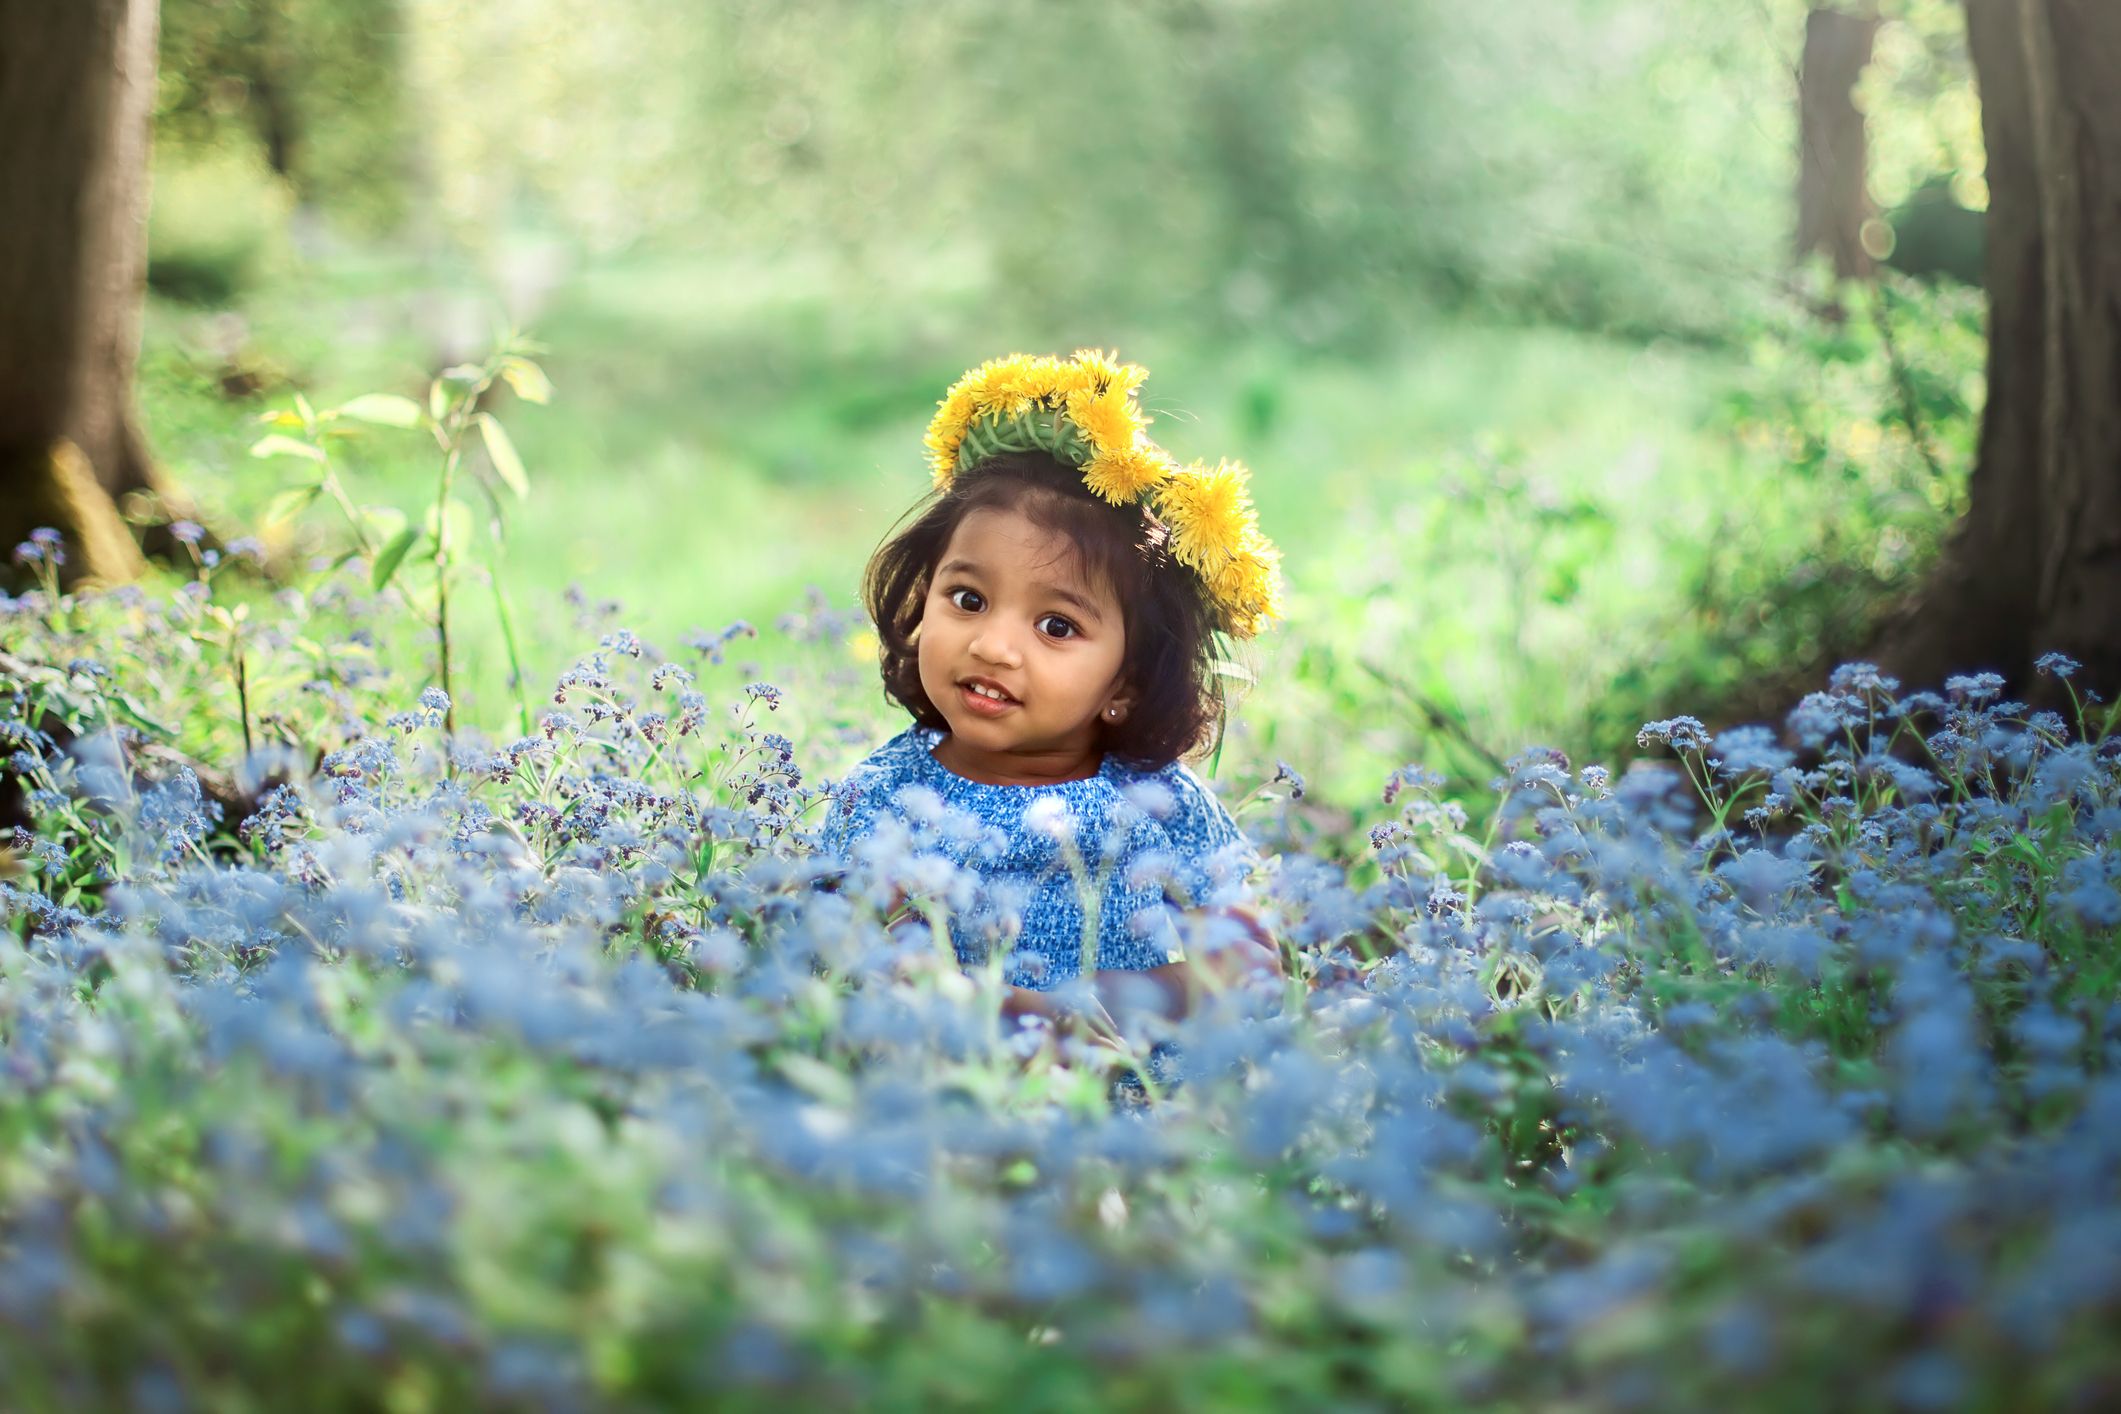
(379, 1069)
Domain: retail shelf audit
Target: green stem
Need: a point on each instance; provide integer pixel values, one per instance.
(348, 509)
(444, 486)
(508, 637)
(1092, 899)
(243, 697)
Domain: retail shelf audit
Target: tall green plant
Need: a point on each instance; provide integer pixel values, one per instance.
(387, 537)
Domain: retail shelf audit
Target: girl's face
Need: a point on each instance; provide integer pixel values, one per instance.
(1020, 652)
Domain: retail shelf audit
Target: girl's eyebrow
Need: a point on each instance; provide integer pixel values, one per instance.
(1089, 610)
(1058, 591)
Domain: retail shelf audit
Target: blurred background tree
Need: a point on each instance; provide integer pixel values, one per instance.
(317, 86)
(2036, 564)
(75, 87)
(1835, 211)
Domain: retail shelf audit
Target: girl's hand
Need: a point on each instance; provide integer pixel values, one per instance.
(1092, 1021)
(1249, 956)
(1239, 962)
(1180, 987)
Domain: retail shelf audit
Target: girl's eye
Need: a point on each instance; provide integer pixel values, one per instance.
(1054, 626)
(968, 600)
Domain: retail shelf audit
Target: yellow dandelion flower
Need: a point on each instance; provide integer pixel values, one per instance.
(1248, 587)
(943, 444)
(1101, 369)
(1105, 370)
(942, 465)
(1065, 380)
(947, 429)
(1098, 364)
(1007, 386)
(1208, 512)
(1108, 419)
(1121, 474)
(965, 392)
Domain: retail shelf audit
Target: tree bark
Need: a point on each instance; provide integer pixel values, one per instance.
(1833, 194)
(76, 90)
(2036, 565)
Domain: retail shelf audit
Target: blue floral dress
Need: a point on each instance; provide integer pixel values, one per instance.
(1044, 874)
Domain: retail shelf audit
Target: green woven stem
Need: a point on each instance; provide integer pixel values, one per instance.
(1033, 430)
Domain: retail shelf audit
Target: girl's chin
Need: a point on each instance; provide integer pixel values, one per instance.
(982, 731)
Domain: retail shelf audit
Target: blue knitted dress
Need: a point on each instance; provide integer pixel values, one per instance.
(1047, 872)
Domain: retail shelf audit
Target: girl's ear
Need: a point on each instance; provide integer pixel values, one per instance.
(1118, 706)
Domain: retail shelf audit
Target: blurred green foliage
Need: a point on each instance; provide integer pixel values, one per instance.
(1328, 174)
(1323, 173)
(1495, 300)
(315, 87)
(220, 223)
(1505, 534)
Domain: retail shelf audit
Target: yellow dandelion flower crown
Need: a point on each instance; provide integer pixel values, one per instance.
(1082, 410)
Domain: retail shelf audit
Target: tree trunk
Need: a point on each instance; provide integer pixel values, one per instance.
(77, 84)
(271, 85)
(2036, 565)
(1833, 195)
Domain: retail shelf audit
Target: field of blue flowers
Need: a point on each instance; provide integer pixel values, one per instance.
(353, 1063)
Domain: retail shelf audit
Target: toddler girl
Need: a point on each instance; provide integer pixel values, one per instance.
(1048, 616)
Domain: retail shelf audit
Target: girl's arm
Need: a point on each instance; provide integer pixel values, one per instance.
(1173, 989)
(1181, 986)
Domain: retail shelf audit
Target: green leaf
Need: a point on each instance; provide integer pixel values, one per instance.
(280, 445)
(383, 521)
(506, 464)
(143, 717)
(392, 556)
(461, 523)
(383, 409)
(290, 503)
(529, 380)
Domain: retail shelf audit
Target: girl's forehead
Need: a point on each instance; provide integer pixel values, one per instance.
(1006, 543)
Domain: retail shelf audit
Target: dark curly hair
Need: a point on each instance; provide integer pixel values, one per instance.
(1170, 656)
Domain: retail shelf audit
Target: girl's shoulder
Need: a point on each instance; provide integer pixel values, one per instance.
(866, 791)
(1207, 856)
(901, 752)
(1177, 798)
(890, 766)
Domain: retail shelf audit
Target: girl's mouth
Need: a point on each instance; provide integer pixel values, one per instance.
(983, 698)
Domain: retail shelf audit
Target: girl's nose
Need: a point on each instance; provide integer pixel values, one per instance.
(992, 645)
